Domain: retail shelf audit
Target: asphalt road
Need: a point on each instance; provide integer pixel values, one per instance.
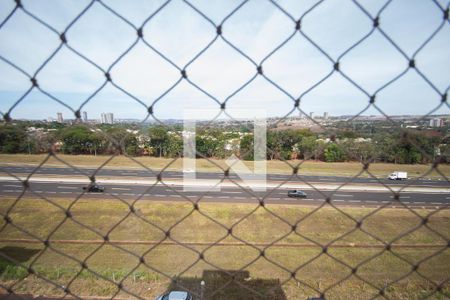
(228, 195)
(144, 174)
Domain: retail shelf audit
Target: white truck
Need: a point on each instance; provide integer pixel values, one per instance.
(398, 176)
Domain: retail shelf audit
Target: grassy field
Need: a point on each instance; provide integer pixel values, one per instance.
(203, 165)
(270, 275)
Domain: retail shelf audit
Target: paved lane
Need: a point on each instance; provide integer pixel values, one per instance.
(201, 175)
(229, 195)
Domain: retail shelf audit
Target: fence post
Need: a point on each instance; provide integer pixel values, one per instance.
(202, 289)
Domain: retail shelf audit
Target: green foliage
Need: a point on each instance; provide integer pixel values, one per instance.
(121, 141)
(393, 145)
(158, 136)
(334, 153)
(80, 139)
(13, 139)
(246, 150)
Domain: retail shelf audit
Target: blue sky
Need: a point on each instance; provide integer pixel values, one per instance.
(257, 28)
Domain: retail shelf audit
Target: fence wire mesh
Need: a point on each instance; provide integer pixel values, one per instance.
(124, 284)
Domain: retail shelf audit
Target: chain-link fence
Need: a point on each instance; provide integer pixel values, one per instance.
(118, 244)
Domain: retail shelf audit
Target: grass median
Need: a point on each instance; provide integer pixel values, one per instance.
(292, 267)
(203, 165)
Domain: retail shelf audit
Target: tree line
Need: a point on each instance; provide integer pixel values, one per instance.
(403, 147)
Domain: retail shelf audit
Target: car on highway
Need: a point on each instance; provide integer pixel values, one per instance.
(297, 194)
(175, 295)
(94, 188)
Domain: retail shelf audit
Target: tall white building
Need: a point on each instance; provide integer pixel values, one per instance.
(107, 118)
(436, 122)
(85, 116)
(60, 117)
(325, 115)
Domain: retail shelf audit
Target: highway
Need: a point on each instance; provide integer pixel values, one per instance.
(228, 194)
(141, 173)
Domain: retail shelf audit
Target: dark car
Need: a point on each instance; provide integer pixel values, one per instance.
(297, 194)
(175, 295)
(94, 188)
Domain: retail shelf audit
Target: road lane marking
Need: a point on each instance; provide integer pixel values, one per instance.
(11, 185)
(121, 189)
(354, 200)
(67, 187)
(343, 195)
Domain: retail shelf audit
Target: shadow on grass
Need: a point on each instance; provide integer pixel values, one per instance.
(230, 285)
(11, 257)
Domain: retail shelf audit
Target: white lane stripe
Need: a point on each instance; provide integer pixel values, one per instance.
(67, 187)
(343, 195)
(354, 201)
(121, 189)
(232, 192)
(12, 185)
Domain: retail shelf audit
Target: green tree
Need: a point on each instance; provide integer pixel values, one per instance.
(122, 141)
(13, 139)
(246, 148)
(80, 140)
(334, 153)
(158, 137)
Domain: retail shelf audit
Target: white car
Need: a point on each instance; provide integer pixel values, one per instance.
(175, 295)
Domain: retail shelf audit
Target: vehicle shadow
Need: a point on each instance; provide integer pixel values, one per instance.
(230, 285)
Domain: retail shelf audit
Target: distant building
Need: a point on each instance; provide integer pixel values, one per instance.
(311, 114)
(436, 122)
(60, 117)
(325, 115)
(107, 118)
(85, 116)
